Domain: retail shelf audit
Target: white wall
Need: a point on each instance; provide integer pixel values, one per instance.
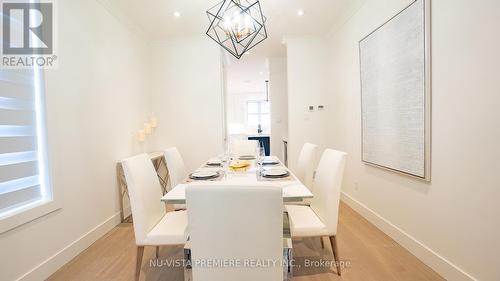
(454, 217)
(187, 98)
(237, 112)
(306, 69)
(96, 98)
(278, 93)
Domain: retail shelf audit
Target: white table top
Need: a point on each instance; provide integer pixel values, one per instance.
(293, 190)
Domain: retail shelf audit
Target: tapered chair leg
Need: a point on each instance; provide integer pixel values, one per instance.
(140, 252)
(322, 242)
(157, 252)
(335, 251)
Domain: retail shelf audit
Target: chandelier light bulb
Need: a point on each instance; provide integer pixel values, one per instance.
(248, 21)
(227, 24)
(248, 24)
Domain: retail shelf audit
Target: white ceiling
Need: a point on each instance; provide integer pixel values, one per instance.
(155, 18)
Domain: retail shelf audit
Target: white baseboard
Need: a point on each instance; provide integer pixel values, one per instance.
(432, 259)
(53, 263)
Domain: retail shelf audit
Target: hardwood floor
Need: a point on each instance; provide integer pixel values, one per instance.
(368, 253)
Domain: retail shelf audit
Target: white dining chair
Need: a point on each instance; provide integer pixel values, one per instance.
(321, 218)
(175, 165)
(305, 169)
(306, 164)
(244, 147)
(153, 226)
(235, 223)
(176, 170)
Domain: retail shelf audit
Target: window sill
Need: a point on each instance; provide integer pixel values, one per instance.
(27, 214)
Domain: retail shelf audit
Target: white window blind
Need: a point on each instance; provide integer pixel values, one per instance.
(21, 157)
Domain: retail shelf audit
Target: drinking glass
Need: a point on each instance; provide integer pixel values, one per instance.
(261, 153)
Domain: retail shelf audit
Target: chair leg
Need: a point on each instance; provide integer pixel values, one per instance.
(157, 252)
(322, 242)
(140, 252)
(335, 251)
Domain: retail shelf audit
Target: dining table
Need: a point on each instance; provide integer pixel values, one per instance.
(293, 189)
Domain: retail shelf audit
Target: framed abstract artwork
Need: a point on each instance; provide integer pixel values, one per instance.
(395, 66)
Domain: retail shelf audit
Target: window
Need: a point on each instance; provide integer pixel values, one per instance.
(258, 112)
(24, 182)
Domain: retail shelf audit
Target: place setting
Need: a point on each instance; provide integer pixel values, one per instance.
(270, 161)
(274, 174)
(214, 162)
(247, 157)
(205, 175)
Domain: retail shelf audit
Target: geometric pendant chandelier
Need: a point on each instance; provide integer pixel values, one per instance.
(237, 25)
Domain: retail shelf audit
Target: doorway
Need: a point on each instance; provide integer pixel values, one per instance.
(256, 101)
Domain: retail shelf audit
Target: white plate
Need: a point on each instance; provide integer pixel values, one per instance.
(275, 173)
(204, 174)
(247, 157)
(214, 162)
(270, 162)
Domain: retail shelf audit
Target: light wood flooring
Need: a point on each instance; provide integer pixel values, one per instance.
(371, 255)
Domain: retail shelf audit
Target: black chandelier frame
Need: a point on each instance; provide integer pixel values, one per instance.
(238, 45)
